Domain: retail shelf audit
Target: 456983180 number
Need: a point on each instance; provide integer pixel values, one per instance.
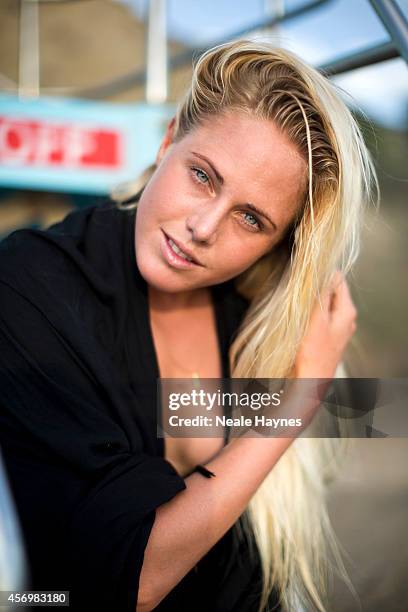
(33, 598)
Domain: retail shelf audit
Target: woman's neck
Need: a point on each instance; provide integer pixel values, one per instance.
(179, 301)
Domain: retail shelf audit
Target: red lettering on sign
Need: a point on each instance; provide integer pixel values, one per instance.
(35, 143)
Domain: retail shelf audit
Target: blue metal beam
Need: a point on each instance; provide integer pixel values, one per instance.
(394, 22)
(360, 59)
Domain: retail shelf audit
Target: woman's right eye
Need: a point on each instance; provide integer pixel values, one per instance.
(200, 176)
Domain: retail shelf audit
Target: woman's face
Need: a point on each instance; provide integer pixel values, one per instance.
(224, 195)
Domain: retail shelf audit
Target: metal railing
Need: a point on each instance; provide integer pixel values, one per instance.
(395, 23)
(392, 17)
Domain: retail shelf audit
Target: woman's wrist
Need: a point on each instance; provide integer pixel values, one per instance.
(303, 370)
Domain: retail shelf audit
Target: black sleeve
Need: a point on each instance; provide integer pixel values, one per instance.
(86, 498)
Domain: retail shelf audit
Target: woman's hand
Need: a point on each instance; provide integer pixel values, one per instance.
(331, 326)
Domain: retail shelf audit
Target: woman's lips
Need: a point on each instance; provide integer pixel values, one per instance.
(172, 258)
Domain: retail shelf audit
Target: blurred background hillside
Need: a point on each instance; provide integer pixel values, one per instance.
(95, 50)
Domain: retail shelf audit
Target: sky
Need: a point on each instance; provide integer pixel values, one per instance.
(326, 33)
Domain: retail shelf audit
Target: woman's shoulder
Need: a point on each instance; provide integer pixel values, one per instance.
(86, 242)
(71, 230)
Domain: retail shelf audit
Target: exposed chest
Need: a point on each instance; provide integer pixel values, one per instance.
(187, 346)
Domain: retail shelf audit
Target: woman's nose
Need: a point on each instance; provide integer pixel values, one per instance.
(204, 224)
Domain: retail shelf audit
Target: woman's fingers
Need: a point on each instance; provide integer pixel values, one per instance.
(343, 311)
(333, 288)
(331, 325)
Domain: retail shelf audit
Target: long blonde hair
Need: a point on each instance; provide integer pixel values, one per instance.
(288, 513)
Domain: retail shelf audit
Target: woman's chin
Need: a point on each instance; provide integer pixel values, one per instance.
(162, 278)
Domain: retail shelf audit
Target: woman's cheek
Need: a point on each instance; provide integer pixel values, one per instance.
(243, 256)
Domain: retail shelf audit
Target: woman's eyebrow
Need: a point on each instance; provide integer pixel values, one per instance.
(220, 179)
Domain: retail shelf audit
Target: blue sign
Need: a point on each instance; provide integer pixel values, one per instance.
(69, 145)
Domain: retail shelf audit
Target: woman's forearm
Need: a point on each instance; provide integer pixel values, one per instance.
(189, 525)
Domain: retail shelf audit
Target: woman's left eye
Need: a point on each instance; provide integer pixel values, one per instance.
(251, 220)
(200, 176)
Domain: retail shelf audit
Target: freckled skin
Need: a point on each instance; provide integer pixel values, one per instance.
(259, 165)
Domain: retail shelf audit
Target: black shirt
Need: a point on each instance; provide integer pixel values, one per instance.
(78, 427)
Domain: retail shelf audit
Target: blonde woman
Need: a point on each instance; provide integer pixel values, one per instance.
(229, 261)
